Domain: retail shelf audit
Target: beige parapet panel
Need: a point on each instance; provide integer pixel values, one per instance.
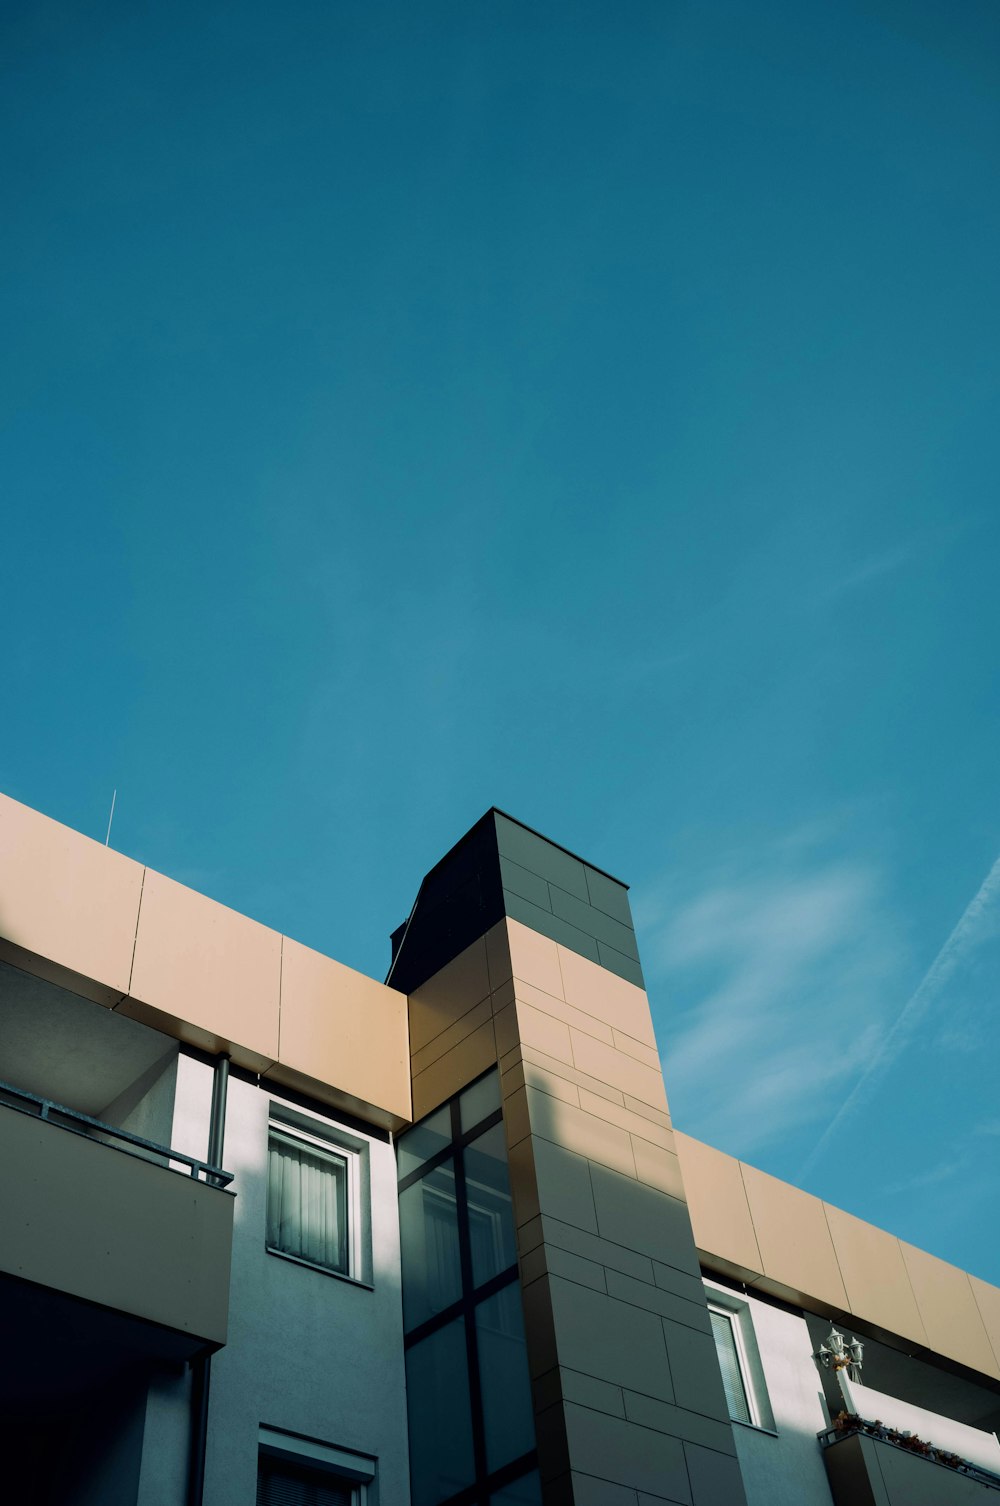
(813, 1254)
(205, 974)
(720, 1213)
(342, 1037)
(875, 1277)
(796, 1247)
(68, 905)
(83, 916)
(988, 1301)
(948, 1308)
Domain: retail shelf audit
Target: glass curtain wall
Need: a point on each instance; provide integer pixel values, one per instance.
(472, 1438)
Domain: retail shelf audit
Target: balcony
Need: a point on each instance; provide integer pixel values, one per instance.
(865, 1467)
(884, 1451)
(113, 1249)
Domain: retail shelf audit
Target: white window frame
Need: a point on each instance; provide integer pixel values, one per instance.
(338, 1144)
(343, 1465)
(725, 1302)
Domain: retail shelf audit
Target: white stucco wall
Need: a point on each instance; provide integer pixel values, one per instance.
(785, 1468)
(308, 1352)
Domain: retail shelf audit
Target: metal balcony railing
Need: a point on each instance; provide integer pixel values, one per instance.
(118, 1139)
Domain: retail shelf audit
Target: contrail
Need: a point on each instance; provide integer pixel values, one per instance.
(937, 974)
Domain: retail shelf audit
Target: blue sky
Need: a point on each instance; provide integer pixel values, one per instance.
(408, 409)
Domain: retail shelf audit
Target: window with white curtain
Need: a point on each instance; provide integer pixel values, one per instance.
(311, 1194)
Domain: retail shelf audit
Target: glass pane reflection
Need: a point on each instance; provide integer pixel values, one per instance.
(524, 1492)
(479, 1101)
(491, 1222)
(441, 1458)
(503, 1373)
(423, 1141)
(428, 1234)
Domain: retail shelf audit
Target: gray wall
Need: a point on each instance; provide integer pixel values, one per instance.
(308, 1352)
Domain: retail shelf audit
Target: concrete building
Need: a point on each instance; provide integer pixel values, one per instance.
(274, 1230)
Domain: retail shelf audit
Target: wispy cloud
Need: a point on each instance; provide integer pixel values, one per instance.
(781, 968)
(979, 924)
(914, 550)
(970, 1158)
(868, 570)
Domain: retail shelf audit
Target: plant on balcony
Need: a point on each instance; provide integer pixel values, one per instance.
(850, 1422)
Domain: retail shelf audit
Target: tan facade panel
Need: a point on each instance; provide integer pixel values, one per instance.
(548, 1004)
(559, 1067)
(452, 992)
(717, 1201)
(948, 1310)
(586, 1134)
(452, 1071)
(344, 1029)
(206, 974)
(68, 905)
(452, 1036)
(648, 1055)
(534, 959)
(760, 1230)
(606, 996)
(796, 1249)
(878, 1287)
(626, 1118)
(988, 1301)
(657, 1167)
(618, 1070)
(546, 1081)
(543, 1032)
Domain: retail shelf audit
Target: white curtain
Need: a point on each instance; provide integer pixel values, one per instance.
(307, 1203)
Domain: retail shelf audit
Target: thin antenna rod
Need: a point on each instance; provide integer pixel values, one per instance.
(107, 839)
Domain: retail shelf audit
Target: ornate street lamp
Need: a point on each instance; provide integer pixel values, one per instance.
(837, 1354)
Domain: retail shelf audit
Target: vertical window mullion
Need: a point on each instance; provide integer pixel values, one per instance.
(471, 1340)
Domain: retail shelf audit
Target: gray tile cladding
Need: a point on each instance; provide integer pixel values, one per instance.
(565, 899)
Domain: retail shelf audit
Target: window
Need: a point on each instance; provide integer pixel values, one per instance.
(314, 1195)
(283, 1484)
(472, 1435)
(739, 1358)
(295, 1471)
(729, 1363)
